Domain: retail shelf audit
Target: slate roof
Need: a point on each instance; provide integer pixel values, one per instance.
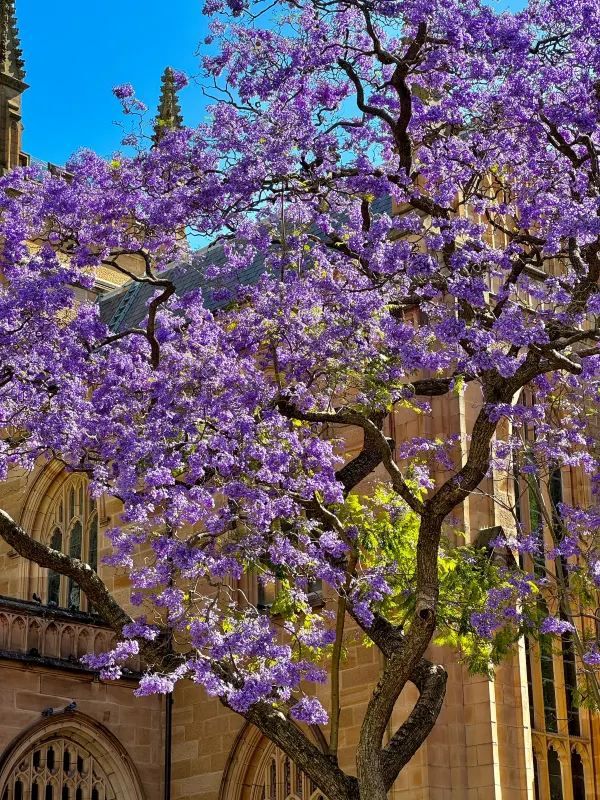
(126, 307)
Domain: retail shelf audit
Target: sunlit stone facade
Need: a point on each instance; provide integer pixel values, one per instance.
(66, 735)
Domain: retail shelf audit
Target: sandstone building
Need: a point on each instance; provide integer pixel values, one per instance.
(67, 735)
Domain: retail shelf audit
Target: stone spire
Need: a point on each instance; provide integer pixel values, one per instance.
(11, 56)
(12, 86)
(169, 111)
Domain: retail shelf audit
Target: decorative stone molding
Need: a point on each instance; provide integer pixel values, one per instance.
(37, 633)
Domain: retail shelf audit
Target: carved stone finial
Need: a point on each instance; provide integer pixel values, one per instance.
(11, 55)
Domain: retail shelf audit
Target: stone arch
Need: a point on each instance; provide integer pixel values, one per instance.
(4, 632)
(51, 641)
(243, 764)
(34, 637)
(580, 749)
(46, 511)
(557, 764)
(561, 747)
(67, 643)
(33, 519)
(100, 643)
(77, 731)
(83, 643)
(18, 634)
(248, 761)
(41, 495)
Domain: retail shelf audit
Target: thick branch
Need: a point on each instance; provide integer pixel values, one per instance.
(336, 657)
(360, 95)
(467, 479)
(369, 458)
(89, 581)
(430, 679)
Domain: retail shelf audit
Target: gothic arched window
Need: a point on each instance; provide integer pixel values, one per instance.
(58, 769)
(570, 681)
(74, 531)
(548, 684)
(282, 780)
(552, 669)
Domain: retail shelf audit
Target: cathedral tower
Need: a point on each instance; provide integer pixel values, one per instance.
(12, 86)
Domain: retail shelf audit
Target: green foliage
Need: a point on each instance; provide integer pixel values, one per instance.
(388, 533)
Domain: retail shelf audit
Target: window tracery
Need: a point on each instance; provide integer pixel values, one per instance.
(555, 775)
(58, 769)
(73, 530)
(282, 780)
(578, 775)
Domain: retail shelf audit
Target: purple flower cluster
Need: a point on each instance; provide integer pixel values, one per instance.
(124, 91)
(505, 605)
(592, 657)
(139, 629)
(109, 664)
(180, 79)
(310, 711)
(556, 626)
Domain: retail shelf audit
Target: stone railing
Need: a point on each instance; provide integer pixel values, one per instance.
(33, 632)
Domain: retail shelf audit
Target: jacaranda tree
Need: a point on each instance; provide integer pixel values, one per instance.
(373, 162)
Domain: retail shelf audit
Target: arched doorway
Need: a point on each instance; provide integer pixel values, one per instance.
(70, 757)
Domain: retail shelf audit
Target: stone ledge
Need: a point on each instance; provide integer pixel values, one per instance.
(15, 605)
(63, 664)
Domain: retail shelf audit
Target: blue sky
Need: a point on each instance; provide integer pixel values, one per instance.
(77, 50)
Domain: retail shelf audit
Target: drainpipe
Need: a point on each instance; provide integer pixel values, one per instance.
(168, 743)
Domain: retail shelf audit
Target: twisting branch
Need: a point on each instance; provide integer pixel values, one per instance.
(374, 111)
(430, 679)
(151, 324)
(362, 465)
(347, 416)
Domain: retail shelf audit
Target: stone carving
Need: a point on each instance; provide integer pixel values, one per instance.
(40, 632)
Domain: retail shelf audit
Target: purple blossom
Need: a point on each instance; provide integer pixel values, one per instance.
(557, 626)
(485, 623)
(110, 663)
(592, 657)
(310, 711)
(140, 629)
(154, 684)
(180, 79)
(124, 91)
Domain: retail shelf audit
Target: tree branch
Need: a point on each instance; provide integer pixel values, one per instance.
(430, 679)
(318, 766)
(347, 416)
(87, 578)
